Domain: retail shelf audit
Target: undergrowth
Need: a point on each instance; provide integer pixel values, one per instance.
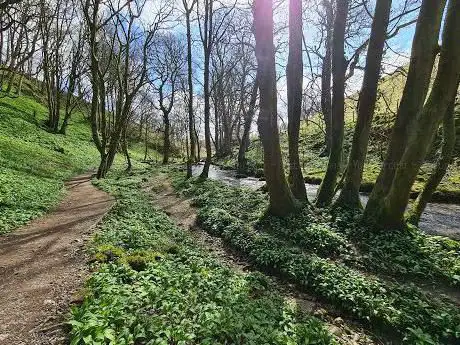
(33, 162)
(327, 257)
(154, 286)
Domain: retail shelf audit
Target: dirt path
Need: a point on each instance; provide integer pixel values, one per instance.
(43, 264)
(184, 215)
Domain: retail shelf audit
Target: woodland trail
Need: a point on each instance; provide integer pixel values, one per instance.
(43, 266)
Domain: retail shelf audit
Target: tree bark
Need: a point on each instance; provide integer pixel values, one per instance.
(327, 187)
(191, 120)
(424, 50)
(282, 201)
(444, 89)
(349, 196)
(166, 138)
(206, 91)
(294, 75)
(326, 79)
(445, 158)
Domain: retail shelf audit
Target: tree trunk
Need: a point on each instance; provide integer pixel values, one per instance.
(349, 196)
(444, 89)
(166, 139)
(445, 158)
(294, 75)
(326, 80)
(327, 187)
(124, 147)
(282, 201)
(191, 120)
(207, 43)
(249, 116)
(424, 50)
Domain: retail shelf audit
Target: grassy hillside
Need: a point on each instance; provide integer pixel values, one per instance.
(312, 139)
(34, 163)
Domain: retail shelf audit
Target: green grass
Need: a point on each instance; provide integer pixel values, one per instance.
(366, 276)
(34, 162)
(153, 285)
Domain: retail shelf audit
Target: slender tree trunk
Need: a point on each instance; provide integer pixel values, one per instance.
(424, 50)
(294, 75)
(282, 201)
(445, 158)
(444, 89)
(326, 79)
(124, 147)
(327, 187)
(349, 196)
(166, 139)
(207, 44)
(145, 140)
(249, 116)
(191, 120)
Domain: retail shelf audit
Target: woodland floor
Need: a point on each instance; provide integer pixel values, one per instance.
(43, 266)
(183, 214)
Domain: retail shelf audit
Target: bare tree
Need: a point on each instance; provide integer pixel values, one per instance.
(167, 69)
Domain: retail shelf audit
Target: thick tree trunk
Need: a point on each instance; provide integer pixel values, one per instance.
(444, 89)
(282, 201)
(326, 79)
(424, 50)
(327, 187)
(445, 158)
(166, 139)
(294, 75)
(249, 116)
(349, 196)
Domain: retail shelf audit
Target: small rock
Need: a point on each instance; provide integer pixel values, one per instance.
(49, 302)
(338, 321)
(335, 330)
(320, 312)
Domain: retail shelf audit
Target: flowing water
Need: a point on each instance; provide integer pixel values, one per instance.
(438, 219)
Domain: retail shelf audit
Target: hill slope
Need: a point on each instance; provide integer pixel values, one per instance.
(34, 162)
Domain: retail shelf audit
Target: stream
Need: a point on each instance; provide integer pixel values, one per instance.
(438, 219)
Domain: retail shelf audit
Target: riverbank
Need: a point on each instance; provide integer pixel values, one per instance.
(438, 218)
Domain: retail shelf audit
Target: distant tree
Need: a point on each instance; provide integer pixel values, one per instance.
(167, 68)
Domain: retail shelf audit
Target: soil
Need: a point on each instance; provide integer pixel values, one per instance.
(43, 266)
(183, 214)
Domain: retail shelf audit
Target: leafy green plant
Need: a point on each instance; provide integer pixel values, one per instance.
(389, 307)
(145, 292)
